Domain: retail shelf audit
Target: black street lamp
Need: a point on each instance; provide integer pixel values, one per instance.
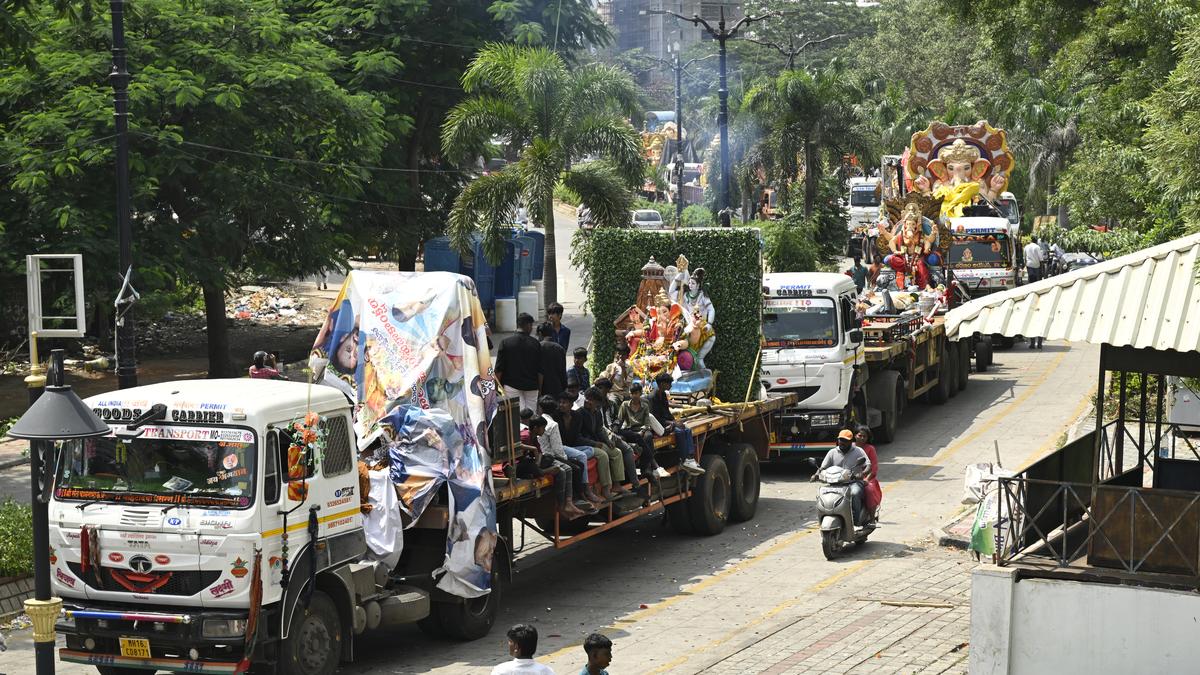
(57, 415)
(721, 34)
(119, 77)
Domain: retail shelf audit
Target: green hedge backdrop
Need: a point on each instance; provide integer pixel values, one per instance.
(611, 262)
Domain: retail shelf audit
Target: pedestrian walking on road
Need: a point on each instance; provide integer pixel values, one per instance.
(554, 362)
(519, 363)
(599, 652)
(522, 644)
(562, 334)
(1034, 257)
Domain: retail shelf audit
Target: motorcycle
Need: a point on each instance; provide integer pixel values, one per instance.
(835, 509)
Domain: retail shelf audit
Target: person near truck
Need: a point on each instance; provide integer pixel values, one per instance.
(847, 455)
(554, 362)
(571, 422)
(537, 463)
(519, 363)
(607, 411)
(579, 369)
(522, 644)
(264, 367)
(660, 408)
(552, 445)
(637, 425)
(599, 654)
(593, 433)
(873, 495)
(1034, 257)
(562, 334)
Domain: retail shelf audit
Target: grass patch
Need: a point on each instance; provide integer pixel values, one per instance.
(16, 531)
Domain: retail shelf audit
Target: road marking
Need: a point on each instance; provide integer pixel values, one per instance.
(797, 536)
(953, 448)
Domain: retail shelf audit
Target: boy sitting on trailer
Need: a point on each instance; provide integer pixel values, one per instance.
(532, 428)
(575, 458)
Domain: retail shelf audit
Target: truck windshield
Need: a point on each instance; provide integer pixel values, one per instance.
(197, 466)
(864, 197)
(979, 250)
(800, 323)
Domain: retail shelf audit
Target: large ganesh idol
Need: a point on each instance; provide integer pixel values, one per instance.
(959, 164)
(675, 333)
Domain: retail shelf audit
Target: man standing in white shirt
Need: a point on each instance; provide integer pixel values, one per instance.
(1034, 257)
(522, 643)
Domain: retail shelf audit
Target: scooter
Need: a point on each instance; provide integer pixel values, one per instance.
(836, 511)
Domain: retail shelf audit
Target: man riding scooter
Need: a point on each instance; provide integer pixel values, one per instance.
(847, 455)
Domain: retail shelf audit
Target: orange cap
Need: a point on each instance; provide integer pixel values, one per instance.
(846, 434)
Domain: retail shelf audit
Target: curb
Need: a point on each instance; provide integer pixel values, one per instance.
(10, 463)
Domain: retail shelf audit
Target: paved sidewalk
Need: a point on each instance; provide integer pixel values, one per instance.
(844, 627)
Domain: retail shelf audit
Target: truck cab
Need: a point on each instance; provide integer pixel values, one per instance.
(203, 509)
(812, 346)
(982, 255)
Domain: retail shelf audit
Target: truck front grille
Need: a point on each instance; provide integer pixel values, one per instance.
(174, 582)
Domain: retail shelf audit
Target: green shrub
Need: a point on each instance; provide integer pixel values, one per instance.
(789, 247)
(611, 260)
(565, 195)
(697, 215)
(16, 531)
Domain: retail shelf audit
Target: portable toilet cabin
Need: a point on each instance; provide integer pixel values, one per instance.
(494, 281)
(524, 259)
(441, 256)
(539, 251)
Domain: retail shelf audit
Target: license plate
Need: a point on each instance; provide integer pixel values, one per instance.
(135, 647)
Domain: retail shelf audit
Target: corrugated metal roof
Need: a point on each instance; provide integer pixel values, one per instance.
(1148, 299)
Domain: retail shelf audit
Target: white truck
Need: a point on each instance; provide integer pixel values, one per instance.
(862, 213)
(161, 531)
(844, 372)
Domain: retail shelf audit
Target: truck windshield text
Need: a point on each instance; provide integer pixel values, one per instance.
(978, 250)
(200, 466)
(807, 324)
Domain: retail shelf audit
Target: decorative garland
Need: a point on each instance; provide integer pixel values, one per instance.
(308, 443)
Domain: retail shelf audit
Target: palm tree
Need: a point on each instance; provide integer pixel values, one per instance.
(550, 115)
(803, 115)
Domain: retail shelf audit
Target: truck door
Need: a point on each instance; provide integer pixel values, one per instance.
(850, 326)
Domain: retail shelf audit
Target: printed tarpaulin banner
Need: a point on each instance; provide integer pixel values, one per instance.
(410, 349)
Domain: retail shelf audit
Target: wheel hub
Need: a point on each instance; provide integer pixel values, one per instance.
(315, 644)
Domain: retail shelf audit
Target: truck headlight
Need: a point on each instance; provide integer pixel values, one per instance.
(224, 628)
(825, 420)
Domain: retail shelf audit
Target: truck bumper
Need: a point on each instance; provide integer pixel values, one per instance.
(175, 638)
(806, 432)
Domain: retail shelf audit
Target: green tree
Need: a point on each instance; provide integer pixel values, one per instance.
(550, 115)
(245, 150)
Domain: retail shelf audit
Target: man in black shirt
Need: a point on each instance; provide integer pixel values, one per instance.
(660, 407)
(519, 363)
(554, 362)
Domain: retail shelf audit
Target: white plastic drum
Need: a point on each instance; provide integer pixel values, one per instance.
(540, 287)
(527, 302)
(506, 315)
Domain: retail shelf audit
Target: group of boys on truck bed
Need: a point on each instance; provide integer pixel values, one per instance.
(259, 525)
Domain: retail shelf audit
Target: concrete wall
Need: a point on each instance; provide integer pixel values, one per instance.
(1064, 627)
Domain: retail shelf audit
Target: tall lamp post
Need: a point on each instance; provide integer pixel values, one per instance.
(119, 77)
(678, 68)
(721, 33)
(56, 415)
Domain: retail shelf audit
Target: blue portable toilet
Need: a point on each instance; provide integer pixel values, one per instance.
(539, 251)
(440, 256)
(498, 281)
(524, 259)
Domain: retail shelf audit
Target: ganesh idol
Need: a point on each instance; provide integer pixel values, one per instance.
(959, 164)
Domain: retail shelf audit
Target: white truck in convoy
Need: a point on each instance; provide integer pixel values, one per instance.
(862, 214)
(844, 372)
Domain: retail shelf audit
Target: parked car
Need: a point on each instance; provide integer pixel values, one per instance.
(647, 219)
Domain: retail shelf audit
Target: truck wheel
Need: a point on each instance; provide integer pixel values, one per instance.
(983, 354)
(964, 363)
(941, 390)
(744, 475)
(709, 504)
(949, 369)
(472, 618)
(886, 396)
(314, 642)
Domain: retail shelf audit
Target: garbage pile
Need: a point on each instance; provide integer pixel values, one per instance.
(267, 303)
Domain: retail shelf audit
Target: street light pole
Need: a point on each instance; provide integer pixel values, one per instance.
(119, 77)
(678, 142)
(721, 34)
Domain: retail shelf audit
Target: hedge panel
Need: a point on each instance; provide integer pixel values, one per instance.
(611, 261)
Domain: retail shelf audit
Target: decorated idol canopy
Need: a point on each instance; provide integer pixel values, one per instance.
(410, 351)
(669, 328)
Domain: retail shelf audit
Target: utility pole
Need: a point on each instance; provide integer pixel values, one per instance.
(126, 356)
(721, 33)
(678, 67)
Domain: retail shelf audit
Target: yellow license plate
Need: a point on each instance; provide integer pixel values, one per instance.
(135, 647)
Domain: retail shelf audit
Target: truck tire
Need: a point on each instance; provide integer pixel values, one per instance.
(314, 643)
(885, 395)
(983, 354)
(473, 618)
(964, 363)
(745, 476)
(709, 504)
(949, 369)
(940, 392)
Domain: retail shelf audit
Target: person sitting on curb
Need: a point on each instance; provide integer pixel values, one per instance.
(599, 654)
(522, 645)
(576, 458)
(536, 464)
(660, 407)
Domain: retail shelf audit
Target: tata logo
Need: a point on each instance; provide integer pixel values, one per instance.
(174, 522)
(344, 492)
(140, 563)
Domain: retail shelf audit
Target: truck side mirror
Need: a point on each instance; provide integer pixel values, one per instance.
(856, 336)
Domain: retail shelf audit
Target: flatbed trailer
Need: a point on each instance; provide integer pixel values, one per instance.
(730, 442)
